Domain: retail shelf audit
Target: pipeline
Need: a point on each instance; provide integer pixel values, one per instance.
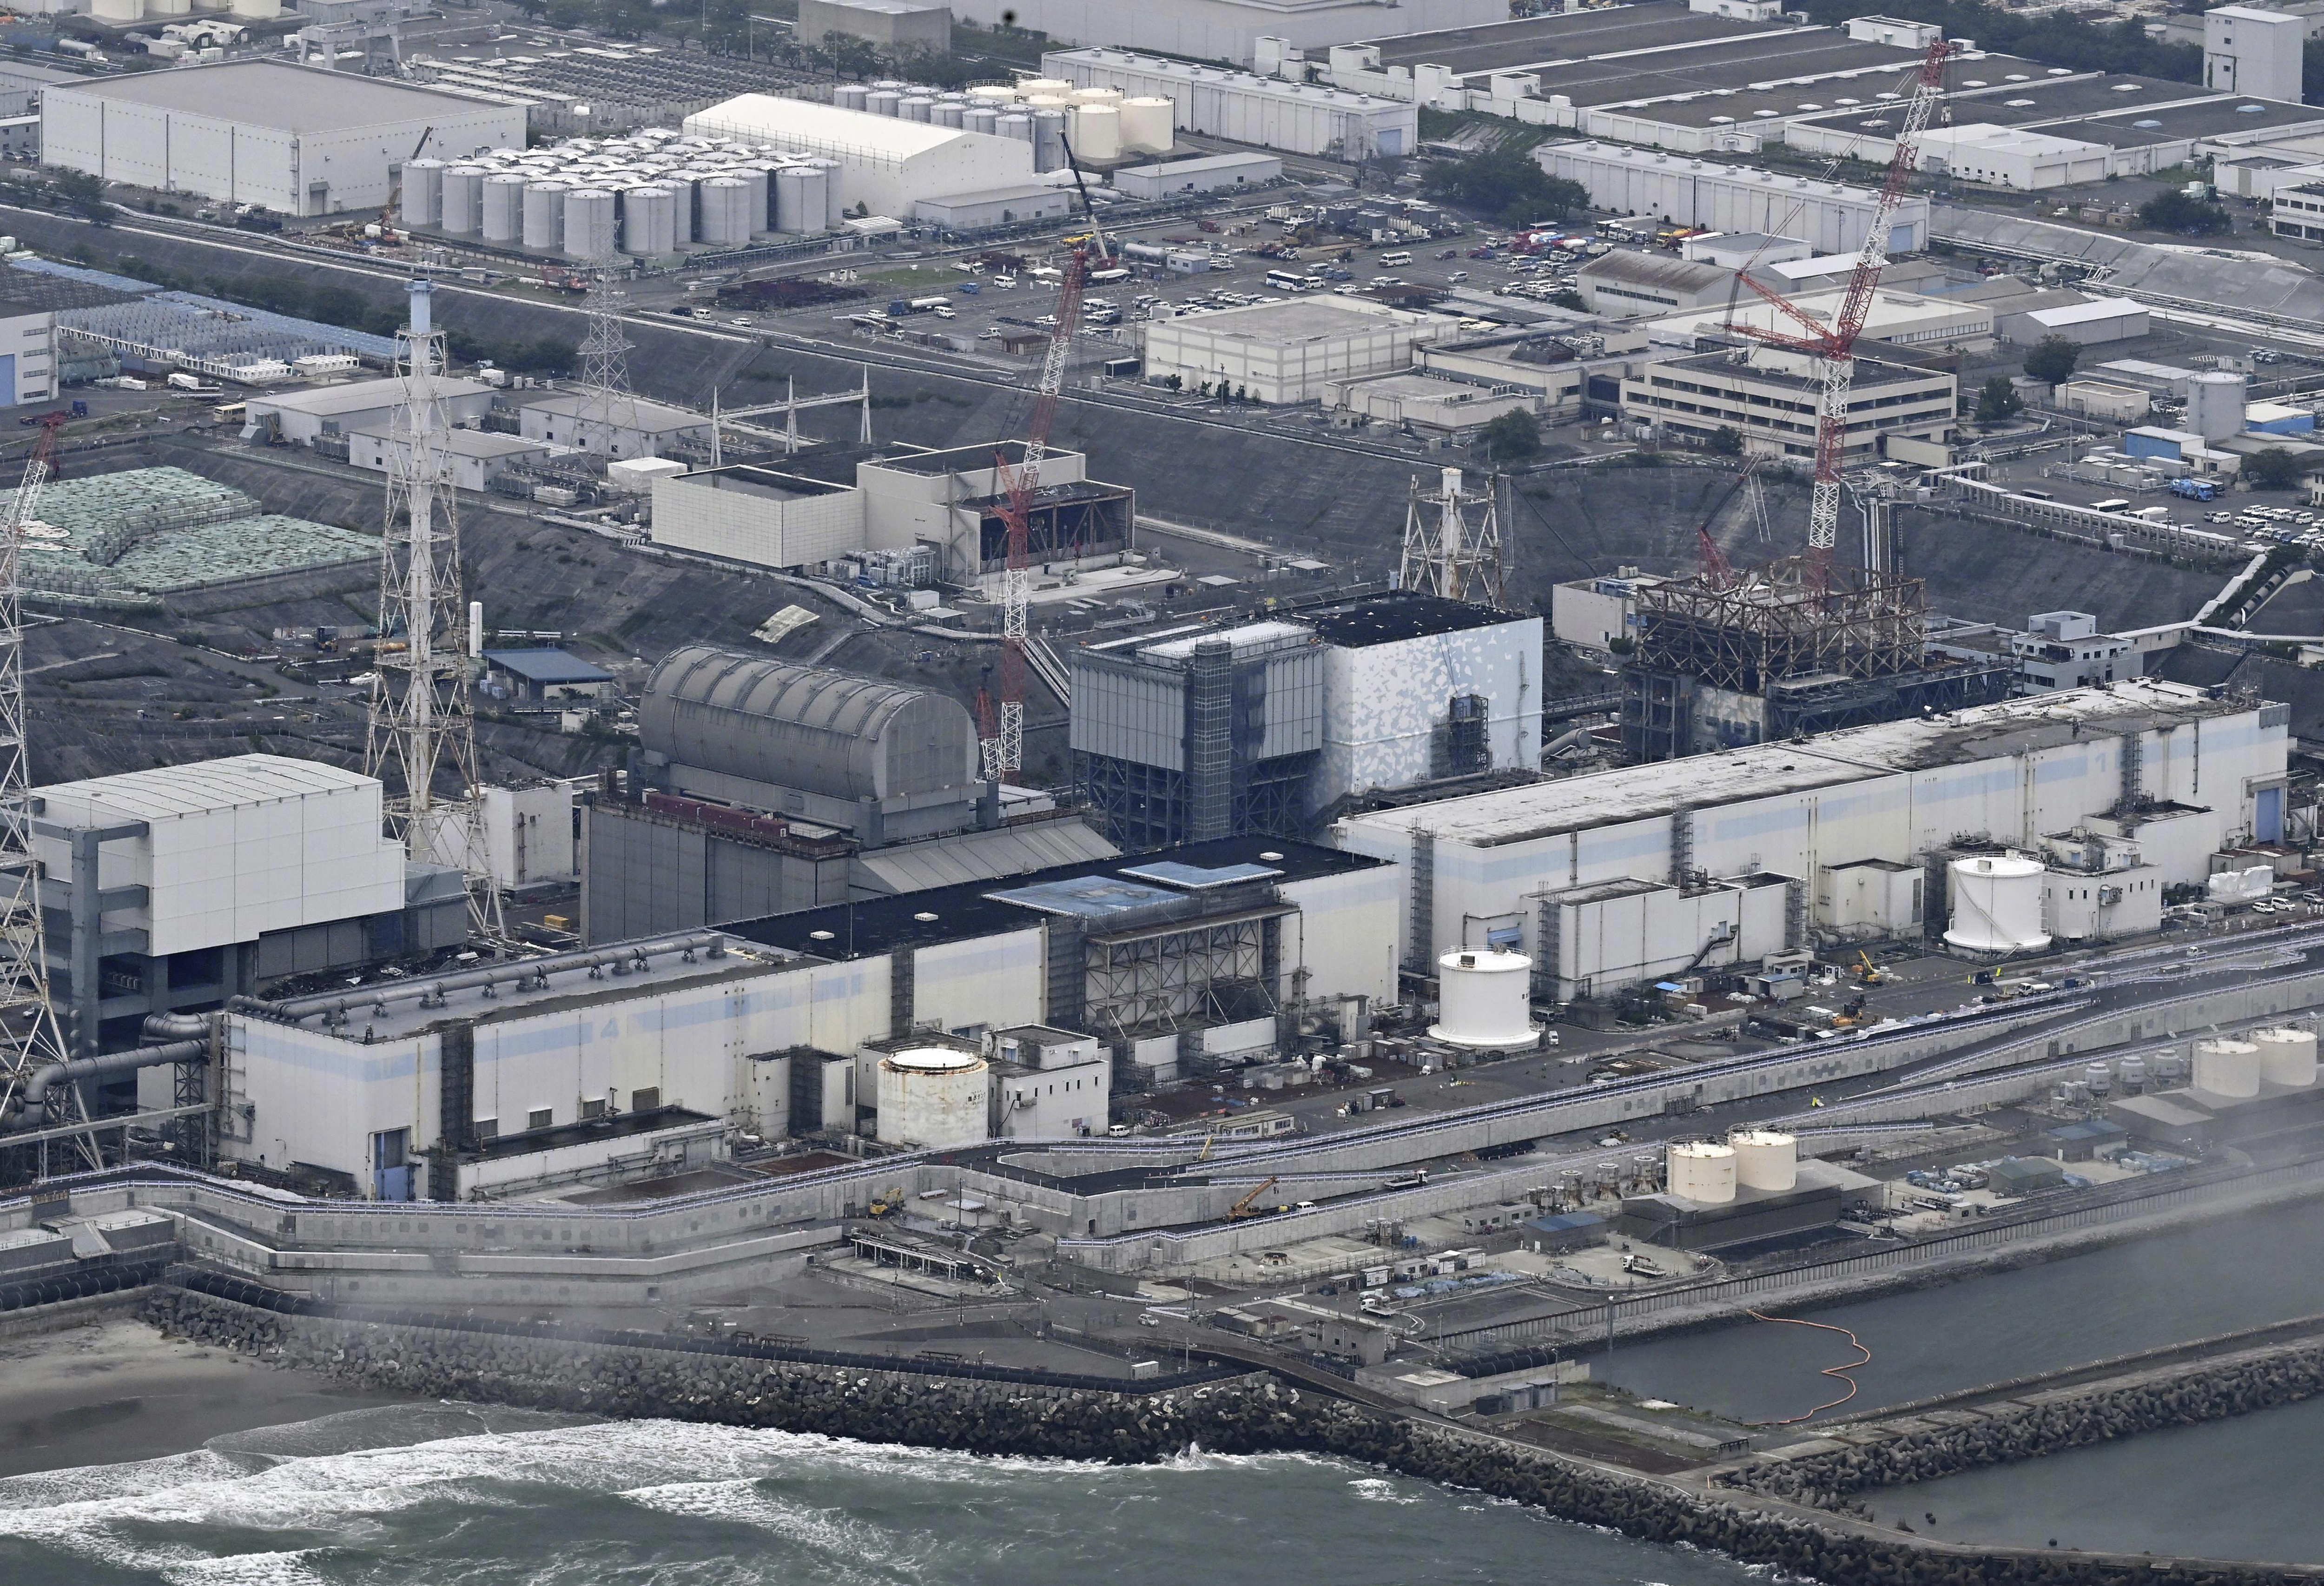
(176, 1027)
(28, 1109)
(432, 992)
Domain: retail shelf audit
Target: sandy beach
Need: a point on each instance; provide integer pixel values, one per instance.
(115, 1389)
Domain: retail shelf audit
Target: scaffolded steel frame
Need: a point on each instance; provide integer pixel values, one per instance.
(1785, 619)
(1153, 979)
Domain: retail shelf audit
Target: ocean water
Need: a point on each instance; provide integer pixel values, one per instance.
(452, 1495)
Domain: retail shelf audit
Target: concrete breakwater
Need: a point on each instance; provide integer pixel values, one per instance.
(1247, 1413)
(1940, 1443)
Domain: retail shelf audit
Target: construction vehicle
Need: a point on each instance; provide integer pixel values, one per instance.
(1249, 1206)
(2195, 489)
(1866, 972)
(887, 1202)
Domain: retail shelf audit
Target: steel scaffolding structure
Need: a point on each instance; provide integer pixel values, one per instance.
(1221, 969)
(1783, 621)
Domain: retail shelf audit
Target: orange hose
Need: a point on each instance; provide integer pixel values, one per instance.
(1842, 1372)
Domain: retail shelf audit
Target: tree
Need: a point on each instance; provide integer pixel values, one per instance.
(2273, 469)
(2175, 211)
(82, 194)
(1727, 441)
(1513, 438)
(2053, 359)
(1506, 184)
(1998, 401)
(849, 55)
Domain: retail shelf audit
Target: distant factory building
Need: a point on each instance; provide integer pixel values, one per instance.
(30, 303)
(1217, 30)
(1294, 117)
(355, 407)
(472, 457)
(548, 677)
(1768, 396)
(1287, 352)
(1009, 205)
(1626, 284)
(886, 22)
(625, 427)
(1208, 174)
(883, 162)
(1832, 217)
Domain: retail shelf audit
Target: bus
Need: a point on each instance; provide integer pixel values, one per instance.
(1284, 281)
(1398, 257)
(2117, 505)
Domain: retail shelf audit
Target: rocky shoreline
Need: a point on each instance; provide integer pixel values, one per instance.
(1250, 1414)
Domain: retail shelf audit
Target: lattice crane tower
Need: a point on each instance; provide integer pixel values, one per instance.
(1452, 543)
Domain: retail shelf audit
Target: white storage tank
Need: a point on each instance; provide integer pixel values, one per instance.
(2287, 1055)
(1765, 1158)
(1484, 998)
(994, 94)
(117, 10)
(682, 214)
(1049, 139)
(1097, 132)
(981, 118)
(1095, 95)
(464, 200)
(850, 95)
(1015, 125)
(790, 200)
(1048, 88)
(951, 116)
(544, 216)
(883, 101)
(725, 212)
(823, 181)
(1149, 126)
(2227, 1067)
(1997, 903)
(917, 108)
(934, 1098)
(1704, 1171)
(2215, 404)
(421, 198)
(589, 223)
(257, 10)
(649, 223)
(1046, 102)
(504, 211)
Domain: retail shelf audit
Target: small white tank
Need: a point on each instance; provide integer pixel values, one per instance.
(993, 95)
(1049, 139)
(2215, 404)
(951, 114)
(2287, 1056)
(1095, 95)
(934, 1098)
(2226, 1068)
(1048, 88)
(790, 201)
(1997, 903)
(1046, 102)
(1015, 125)
(1149, 126)
(883, 102)
(1765, 1158)
(917, 108)
(850, 95)
(981, 118)
(504, 211)
(1703, 1172)
(1485, 999)
(649, 223)
(421, 198)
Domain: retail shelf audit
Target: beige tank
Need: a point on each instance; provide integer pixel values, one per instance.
(2287, 1056)
(1765, 1158)
(1704, 1171)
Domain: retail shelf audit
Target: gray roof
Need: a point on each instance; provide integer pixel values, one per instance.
(278, 95)
(973, 856)
(1666, 271)
(358, 396)
(231, 783)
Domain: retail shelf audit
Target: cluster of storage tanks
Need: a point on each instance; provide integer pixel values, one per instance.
(1710, 1172)
(648, 195)
(1102, 123)
(2225, 1065)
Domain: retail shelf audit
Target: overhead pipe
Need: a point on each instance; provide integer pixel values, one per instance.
(176, 1027)
(28, 1109)
(431, 992)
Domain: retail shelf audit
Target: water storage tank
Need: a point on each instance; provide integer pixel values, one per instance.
(464, 200)
(2097, 1078)
(725, 212)
(824, 179)
(934, 1098)
(951, 116)
(1095, 95)
(790, 189)
(2287, 1056)
(1703, 1172)
(1485, 999)
(1147, 126)
(2226, 1068)
(649, 223)
(1097, 132)
(2134, 1074)
(1049, 87)
(1015, 125)
(2170, 1069)
(1997, 903)
(883, 101)
(544, 216)
(504, 211)
(681, 208)
(981, 118)
(589, 223)
(422, 200)
(917, 108)
(1765, 1158)
(850, 95)
(993, 95)
(2215, 404)
(1049, 139)
(1046, 102)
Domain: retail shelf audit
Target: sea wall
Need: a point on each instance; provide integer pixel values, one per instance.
(1241, 1414)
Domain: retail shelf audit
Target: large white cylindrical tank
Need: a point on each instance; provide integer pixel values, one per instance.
(1045, 87)
(423, 198)
(2215, 404)
(1703, 1172)
(1095, 95)
(824, 179)
(1049, 139)
(503, 210)
(1485, 999)
(1765, 1158)
(918, 107)
(1097, 132)
(682, 216)
(790, 201)
(993, 95)
(1149, 126)
(1015, 125)
(951, 114)
(464, 200)
(588, 224)
(1996, 905)
(2287, 1056)
(850, 95)
(883, 101)
(257, 10)
(649, 223)
(934, 1098)
(981, 118)
(1046, 102)
(117, 9)
(544, 216)
(725, 212)
(2226, 1068)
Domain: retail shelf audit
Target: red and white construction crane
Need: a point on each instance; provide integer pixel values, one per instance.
(1832, 345)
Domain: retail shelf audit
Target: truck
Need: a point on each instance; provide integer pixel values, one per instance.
(929, 305)
(2196, 489)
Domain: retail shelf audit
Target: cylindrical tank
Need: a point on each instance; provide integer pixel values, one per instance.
(589, 223)
(890, 84)
(823, 181)
(1704, 1171)
(2170, 1069)
(951, 116)
(682, 215)
(649, 223)
(758, 203)
(1485, 998)
(883, 101)
(725, 212)
(2226, 1068)
(1765, 1158)
(850, 95)
(1049, 139)
(2287, 1056)
(544, 216)
(934, 1098)
(1997, 903)
(503, 208)
(423, 198)
(117, 9)
(981, 118)
(2133, 1074)
(1095, 95)
(918, 107)
(2099, 1079)
(2215, 404)
(1148, 126)
(1015, 125)
(464, 200)
(791, 207)
(1050, 87)
(1097, 132)
(993, 95)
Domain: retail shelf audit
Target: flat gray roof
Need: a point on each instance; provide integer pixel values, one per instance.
(1658, 24)
(278, 94)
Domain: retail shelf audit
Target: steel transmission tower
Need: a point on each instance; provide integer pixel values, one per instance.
(421, 734)
(30, 1039)
(1452, 543)
(605, 365)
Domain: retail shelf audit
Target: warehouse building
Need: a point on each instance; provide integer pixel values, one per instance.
(1242, 108)
(1964, 323)
(30, 303)
(1561, 370)
(1215, 30)
(886, 22)
(1830, 216)
(1626, 284)
(1287, 352)
(1617, 877)
(1209, 173)
(884, 163)
(1009, 206)
(353, 407)
(611, 427)
(286, 138)
(473, 458)
(1769, 396)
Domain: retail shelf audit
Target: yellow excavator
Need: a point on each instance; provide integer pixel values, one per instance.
(1867, 973)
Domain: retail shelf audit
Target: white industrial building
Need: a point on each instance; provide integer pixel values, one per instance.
(299, 416)
(623, 427)
(1899, 317)
(286, 138)
(884, 163)
(1219, 30)
(1208, 174)
(1425, 405)
(472, 458)
(1288, 352)
(1242, 108)
(1012, 206)
(2254, 51)
(1769, 396)
(2015, 158)
(1628, 284)
(30, 302)
(1617, 877)
(1828, 216)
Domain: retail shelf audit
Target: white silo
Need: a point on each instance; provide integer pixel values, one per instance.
(682, 214)
(850, 95)
(2227, 1067)
(726, 213)
(1097, 132)
(1095, 95)
(951, 116)
(1149, 126)
(934, 1098)
(994, 96)
(981, 118)
(503, 209)
(1046, 87)
(760, 206)
(464, 200)
(1484, 998)
(589, 223)
(790, 201)
(827, 186)
(1049, 139)
(1703, 1172)
(1015, 125)
(423, 198)
(2215, 404)
(1046, 102)
(1765, 1158)
(648, 224)
(2287, 1056)
(1997, 903)
(883, 102)
(918, 107)
(544, 216)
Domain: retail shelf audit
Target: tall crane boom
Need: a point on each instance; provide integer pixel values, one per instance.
(1832, 345)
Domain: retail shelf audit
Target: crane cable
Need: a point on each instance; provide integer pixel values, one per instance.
(1841, 1372)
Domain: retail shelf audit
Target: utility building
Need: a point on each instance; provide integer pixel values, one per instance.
(1832, 217)
(1288, 352)
(883, 162)
(1244, 108)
